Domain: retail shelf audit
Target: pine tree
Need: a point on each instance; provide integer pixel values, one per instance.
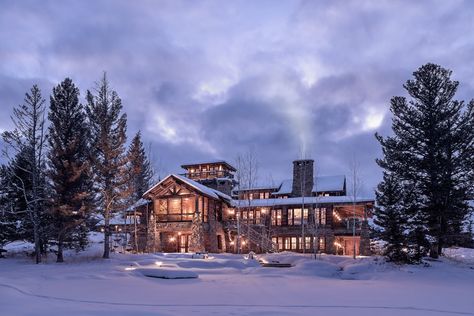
(140, 170)
(430, 151)
(69, 168)
(8, 219)
(108, 136)
(28, 141)
(392, 220)
(140, 174)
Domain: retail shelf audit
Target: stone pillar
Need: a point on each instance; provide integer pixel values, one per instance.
(197, 234)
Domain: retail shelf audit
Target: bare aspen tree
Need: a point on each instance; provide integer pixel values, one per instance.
(246, 176)
(356, 183)
(29, 138)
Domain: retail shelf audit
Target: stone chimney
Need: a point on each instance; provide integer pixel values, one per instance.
(302, 177)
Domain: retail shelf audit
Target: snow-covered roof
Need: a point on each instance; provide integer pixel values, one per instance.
(137, 204)
(300, 200)
(196, 185)
(115, 219)
(321, 184)
(263, 187)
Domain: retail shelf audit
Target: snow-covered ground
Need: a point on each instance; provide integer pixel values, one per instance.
(231, 285)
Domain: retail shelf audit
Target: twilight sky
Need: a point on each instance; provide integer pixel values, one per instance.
(212, 79)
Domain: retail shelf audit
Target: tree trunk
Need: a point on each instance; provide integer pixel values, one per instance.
(60, 250)
(434, 250)
(106, 233)
(37, 244)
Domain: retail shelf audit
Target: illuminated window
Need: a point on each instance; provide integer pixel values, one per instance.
(296, 216)
(287, 243)
(250, 221)
(322, 244)
(276, 217)
(280, 243)
(257, 217)
(293, 243)
(174, 206)
(320, 215)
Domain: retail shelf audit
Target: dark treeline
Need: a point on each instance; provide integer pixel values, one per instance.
(67, 163)
(428, 163)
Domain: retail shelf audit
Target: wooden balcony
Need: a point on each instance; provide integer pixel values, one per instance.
(208, 174)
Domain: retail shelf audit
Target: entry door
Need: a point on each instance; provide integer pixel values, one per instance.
(184, 243)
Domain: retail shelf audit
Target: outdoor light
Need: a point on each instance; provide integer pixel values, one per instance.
(172, 239)
(179, 233)
(158, 263)
(231, 243)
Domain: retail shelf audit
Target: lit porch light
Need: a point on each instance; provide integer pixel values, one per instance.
(172, 239)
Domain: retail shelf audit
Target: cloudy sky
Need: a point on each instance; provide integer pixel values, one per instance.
(212, 79)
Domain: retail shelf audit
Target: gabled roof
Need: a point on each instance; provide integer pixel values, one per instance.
(196, 185)
(321, 184)
(212, 162)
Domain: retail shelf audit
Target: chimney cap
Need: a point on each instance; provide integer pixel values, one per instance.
(303, 160)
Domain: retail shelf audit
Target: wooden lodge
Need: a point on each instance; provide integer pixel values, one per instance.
(201, 210)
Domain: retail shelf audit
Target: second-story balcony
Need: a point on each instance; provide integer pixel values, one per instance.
(208, 174)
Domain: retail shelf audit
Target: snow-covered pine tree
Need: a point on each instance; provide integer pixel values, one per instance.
(108, 136)
(392, 220)
(28, 142)
(69, 168)
(140, 174)
(140, 170)
(8, 218)
(429, 149)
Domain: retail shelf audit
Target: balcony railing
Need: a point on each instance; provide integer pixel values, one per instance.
(184, 217)
(208, 174)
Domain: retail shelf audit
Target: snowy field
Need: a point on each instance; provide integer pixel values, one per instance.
(231, 285)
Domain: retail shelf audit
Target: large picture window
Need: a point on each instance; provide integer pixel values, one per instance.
(176, 209)
(295, 216)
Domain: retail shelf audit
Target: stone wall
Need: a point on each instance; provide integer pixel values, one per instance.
(302, 177)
